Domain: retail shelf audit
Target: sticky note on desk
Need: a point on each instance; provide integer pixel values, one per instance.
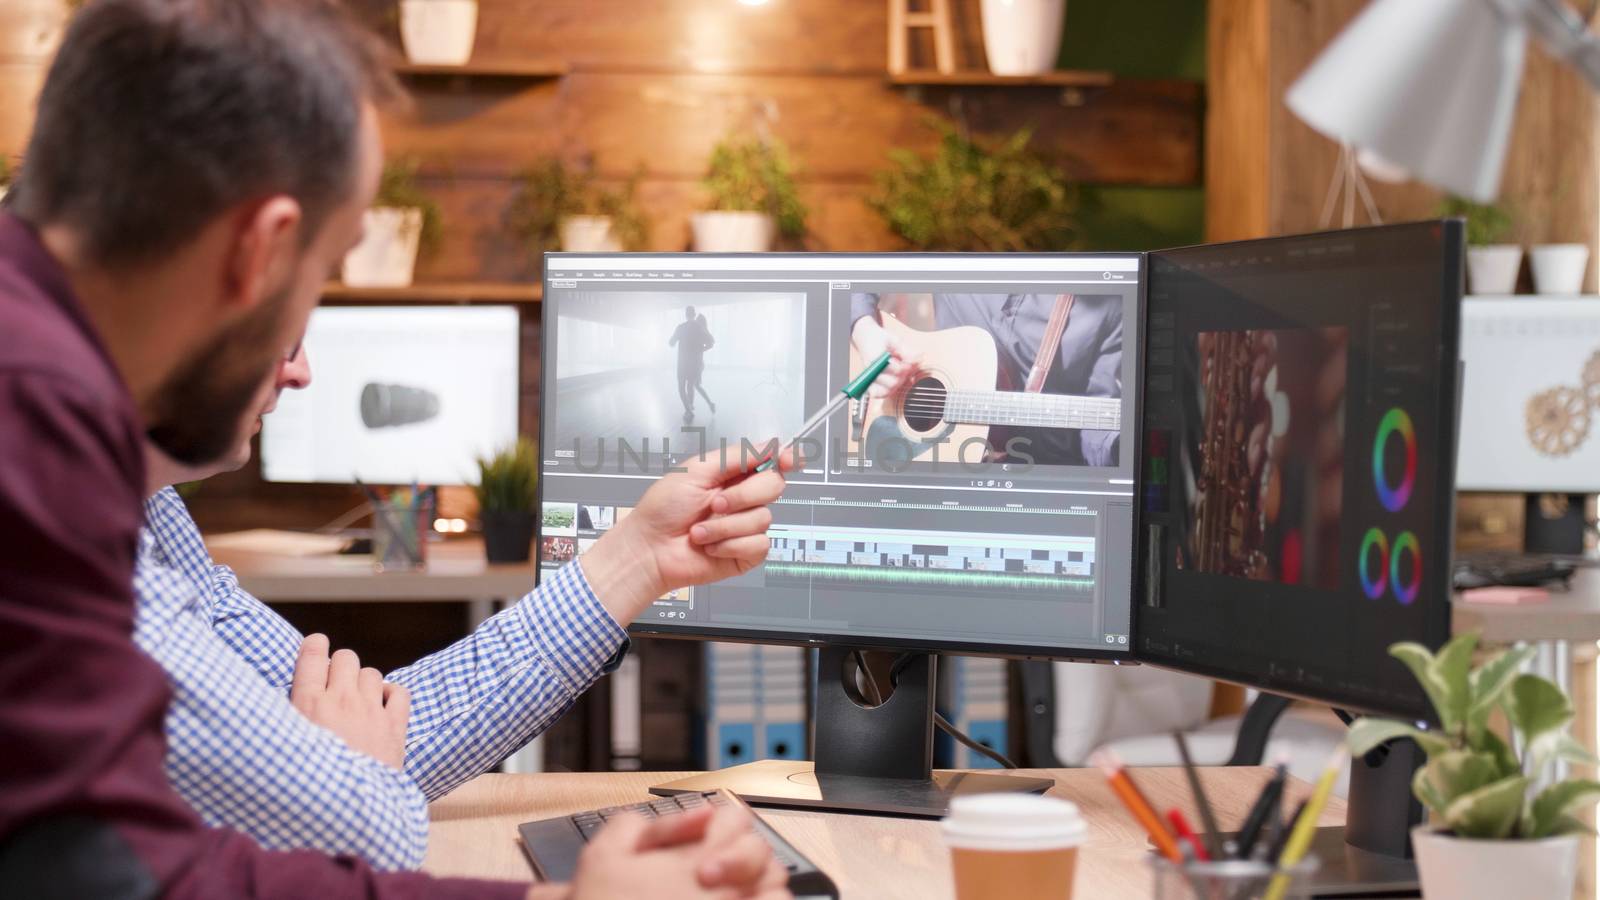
(1506, 596)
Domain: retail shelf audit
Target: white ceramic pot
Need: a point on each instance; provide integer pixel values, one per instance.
(588, 234)
(1454, 868)
(1492, 269)
(1022, 37)
(387, 254)
(732, 232)
(438, 32)
(1559, 268)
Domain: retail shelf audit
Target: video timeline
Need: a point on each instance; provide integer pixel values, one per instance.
(929, 561)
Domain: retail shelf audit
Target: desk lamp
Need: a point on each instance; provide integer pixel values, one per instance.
(1429, 87)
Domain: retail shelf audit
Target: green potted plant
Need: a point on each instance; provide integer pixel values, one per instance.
(969, 197)
(402, 223)
(753, 198)
(1495, 833)
(1492, 265)
(438, 32)
(507, 495)
(565, 206)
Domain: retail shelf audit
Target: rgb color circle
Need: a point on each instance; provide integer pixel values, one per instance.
(1394, 421)
(1403, 592)
(1374, 538)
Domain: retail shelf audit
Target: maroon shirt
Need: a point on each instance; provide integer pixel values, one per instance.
(85, 808)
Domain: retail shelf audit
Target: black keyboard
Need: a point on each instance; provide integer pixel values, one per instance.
(553, 845)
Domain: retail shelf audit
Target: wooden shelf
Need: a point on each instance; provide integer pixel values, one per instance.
(523, 70)
(442, 292)
(1058, 78)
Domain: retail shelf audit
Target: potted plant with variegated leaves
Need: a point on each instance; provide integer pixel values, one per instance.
(1500, 828)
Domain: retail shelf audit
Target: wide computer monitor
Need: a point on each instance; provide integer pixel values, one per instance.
(398, 394)
(976, 511)
(1300, 399)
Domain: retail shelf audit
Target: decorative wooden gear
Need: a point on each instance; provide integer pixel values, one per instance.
(1558, 421)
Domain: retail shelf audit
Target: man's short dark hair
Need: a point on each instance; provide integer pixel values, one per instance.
(159, 115)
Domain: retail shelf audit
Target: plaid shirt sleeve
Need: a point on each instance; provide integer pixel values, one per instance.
(473, 703)
(480, 699)
(244, 758)
(259, 635)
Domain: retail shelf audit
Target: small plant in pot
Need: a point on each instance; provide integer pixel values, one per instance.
(507, 496)
(565, 207)
(1492, 266)
(1495, 834)
(753, 198)
(969, 197)
(438, 32)
(402, 224)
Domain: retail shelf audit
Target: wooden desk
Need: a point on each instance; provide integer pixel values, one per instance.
(1571, 616)
(456, 571)
(474, 828)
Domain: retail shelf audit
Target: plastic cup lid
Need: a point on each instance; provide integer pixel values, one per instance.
(1008, 821)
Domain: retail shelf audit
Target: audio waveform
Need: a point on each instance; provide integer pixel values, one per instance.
(960, 578)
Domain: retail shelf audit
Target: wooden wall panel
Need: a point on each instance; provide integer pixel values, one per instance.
(30, 29)
(1140, 132)
(19, 87)
(657, 84)
(1237, 120)
(477, 245)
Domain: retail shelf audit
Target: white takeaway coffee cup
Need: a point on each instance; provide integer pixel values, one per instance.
(1013, 846)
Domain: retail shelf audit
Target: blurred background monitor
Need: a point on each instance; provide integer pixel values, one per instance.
(1531, 375)
(398, 394)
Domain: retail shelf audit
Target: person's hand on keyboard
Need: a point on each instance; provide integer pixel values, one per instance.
(706, 852)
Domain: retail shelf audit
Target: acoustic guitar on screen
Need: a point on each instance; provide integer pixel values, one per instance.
(954, 398)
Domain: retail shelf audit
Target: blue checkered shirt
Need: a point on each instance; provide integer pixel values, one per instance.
(246, 759)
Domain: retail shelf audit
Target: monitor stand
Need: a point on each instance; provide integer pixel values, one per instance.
(868, 759)
(1370, 855)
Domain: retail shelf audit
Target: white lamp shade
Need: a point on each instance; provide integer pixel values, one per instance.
(1428, 85)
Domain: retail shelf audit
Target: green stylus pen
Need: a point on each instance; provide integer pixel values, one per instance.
(852, 391)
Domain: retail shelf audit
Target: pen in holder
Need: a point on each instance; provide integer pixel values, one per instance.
(1231, 879)
(400, 526)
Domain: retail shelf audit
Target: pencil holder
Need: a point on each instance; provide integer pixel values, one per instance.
(1232, 879)
(400, 535)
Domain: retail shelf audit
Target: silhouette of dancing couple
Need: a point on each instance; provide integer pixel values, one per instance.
(693, 339)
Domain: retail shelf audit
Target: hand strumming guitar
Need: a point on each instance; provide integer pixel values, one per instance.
(870, 341)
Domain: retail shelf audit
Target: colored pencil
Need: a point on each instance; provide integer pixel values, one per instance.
(1128, 792)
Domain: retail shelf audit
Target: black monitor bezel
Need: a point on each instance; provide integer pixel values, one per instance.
(1438, 623)
(788, 639)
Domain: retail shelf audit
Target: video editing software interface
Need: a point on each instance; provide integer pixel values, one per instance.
(1298, 459)
(987, 501)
